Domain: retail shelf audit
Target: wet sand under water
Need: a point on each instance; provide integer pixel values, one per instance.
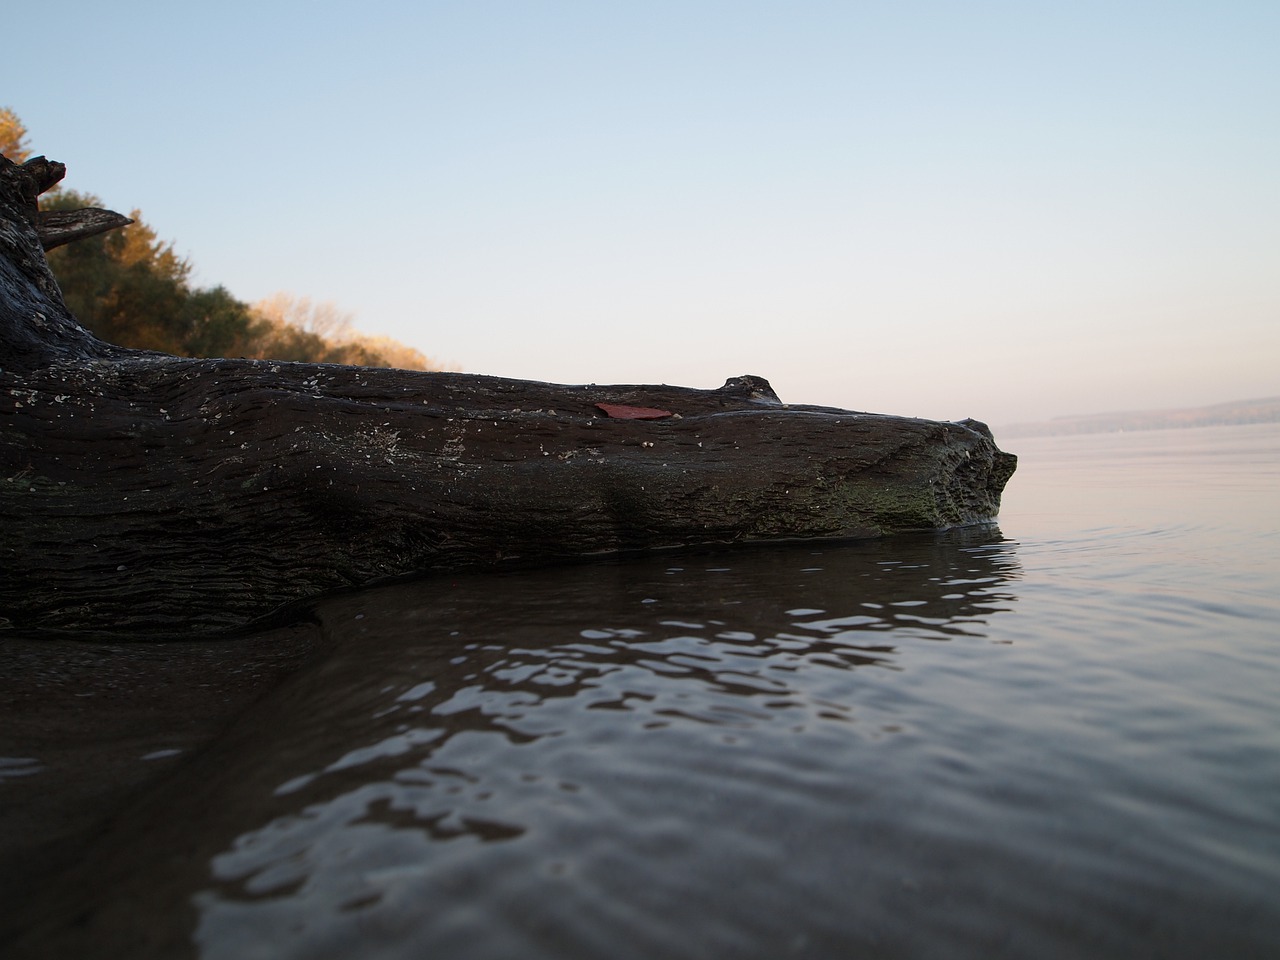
(86, 728)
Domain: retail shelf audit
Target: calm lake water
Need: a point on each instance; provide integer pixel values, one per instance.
(1055, 739)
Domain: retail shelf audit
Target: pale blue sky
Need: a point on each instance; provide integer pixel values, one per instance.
(1000, 210)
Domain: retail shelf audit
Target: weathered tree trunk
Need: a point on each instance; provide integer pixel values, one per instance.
(144, 495)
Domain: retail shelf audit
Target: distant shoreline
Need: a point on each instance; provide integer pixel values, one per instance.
(1235, 412)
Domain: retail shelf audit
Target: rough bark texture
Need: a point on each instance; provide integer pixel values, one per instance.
(57, 227)
(143, 495)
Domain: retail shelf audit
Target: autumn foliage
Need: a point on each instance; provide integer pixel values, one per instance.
(131, 288)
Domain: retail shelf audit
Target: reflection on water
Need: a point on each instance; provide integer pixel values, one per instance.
(932, 746)
(667, 750)
(542, 763)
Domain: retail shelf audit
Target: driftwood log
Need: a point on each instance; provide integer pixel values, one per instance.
(144, 495)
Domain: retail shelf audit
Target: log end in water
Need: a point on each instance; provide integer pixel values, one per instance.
(144, 495)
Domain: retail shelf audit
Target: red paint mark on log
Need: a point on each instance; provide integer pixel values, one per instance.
(621, 412)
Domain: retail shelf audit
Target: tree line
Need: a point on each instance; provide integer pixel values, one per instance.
(131, 288)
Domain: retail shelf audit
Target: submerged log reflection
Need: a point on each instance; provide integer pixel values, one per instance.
(520, 728)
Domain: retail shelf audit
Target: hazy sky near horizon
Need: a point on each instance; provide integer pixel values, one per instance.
(1000, 210)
